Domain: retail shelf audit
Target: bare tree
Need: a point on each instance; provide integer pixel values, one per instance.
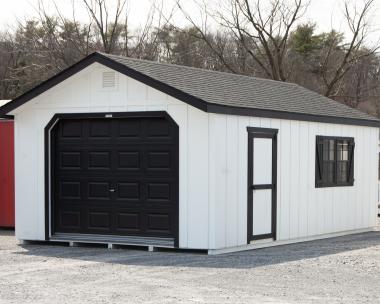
(201, 32)
(262, 28)
(64, 40)
(338, 60)
(109, 29)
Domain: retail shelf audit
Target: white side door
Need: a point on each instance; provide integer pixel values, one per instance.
(262, 176)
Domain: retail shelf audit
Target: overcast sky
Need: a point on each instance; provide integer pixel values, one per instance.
(326, 13)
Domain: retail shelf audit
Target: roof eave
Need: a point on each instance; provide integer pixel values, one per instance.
(8, 117)
(231, 110)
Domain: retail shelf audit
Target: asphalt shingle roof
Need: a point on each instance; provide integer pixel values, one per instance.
(228, 89)
(216, 92)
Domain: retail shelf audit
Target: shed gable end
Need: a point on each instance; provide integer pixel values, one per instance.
(85, 91)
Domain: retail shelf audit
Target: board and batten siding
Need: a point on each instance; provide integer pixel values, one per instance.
(302, 210)
(212, 165)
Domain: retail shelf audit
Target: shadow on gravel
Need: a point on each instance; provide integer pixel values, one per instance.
(239, 260)
(6, 231)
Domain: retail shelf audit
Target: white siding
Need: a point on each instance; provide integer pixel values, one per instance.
(213, 165)
(197, 179)
(303, 210)
(241, 207)
(83, 93)
(27, 212)
(232, 182)
(218, 181)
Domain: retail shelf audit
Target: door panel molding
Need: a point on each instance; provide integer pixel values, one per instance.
(254, 132)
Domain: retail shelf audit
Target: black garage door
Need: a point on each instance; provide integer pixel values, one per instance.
(115, 176)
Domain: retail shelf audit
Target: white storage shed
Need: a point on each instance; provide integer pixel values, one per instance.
(125, 151)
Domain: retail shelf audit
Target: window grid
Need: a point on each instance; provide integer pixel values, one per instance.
(334, 161)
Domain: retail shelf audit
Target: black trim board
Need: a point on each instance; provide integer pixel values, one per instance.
(231, 110)
(47, 84)
(262, 237)
(254, 132)
(265, 131)
(261, 187)
(176, 93)
(106, 115)
(7, 117)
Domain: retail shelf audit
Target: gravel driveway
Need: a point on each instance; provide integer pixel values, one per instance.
(339, 270)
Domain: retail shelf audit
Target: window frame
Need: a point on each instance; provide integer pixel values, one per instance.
(320, 182)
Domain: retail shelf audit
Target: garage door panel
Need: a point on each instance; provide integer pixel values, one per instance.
(129, 191)
(99, 220)
(99, 160)
(116, 176)
(70, 160)
(69, 219)
(99, 128)
(158, 191)
(158, 223)
(99, 190)
(128, 221)
(158, 128)
(129, 160)
(70, 190)
(72, 129)
(159, 160)
(130, 128)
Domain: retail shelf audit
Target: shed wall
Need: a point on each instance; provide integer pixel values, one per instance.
(213, 165)
(302, 210)
(83, 93)
(7, 203)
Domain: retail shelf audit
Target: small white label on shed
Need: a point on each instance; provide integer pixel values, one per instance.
(108, 115)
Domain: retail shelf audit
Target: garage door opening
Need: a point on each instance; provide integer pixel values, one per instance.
(114, 176)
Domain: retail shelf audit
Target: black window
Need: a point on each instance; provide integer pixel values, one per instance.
(334, 163)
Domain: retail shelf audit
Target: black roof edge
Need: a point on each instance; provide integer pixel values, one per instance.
(8, 117)
(231, 110)
(47, 84)
(176, 93)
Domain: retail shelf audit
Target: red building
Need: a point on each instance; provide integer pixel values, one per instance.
(7, 205)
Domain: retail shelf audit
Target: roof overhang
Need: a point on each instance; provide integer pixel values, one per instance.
(174, 92)
(220, 109)
(9, 117)
(5, 117)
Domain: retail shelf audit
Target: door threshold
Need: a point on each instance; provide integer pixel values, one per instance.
(113, 239)
(262, 241)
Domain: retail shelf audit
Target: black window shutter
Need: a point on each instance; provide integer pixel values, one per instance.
(318, 161)
(351, 146)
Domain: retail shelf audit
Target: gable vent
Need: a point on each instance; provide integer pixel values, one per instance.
(109, 79)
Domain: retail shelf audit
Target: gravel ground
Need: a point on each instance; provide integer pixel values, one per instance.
(339, 270)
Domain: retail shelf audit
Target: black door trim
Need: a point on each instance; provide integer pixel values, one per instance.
(254, 132)
(49, 150)
(262, 187)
